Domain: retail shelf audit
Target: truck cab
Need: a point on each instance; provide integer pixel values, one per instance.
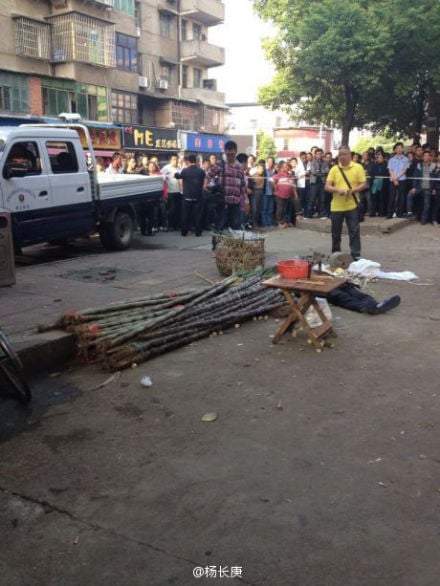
(45, 184)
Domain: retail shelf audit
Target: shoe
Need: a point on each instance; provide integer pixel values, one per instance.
(410, 215)
(394, 215)
(306, 219)
(323, 218)
(198, 234)
(387, 304)
(184, 233)
(435, 224)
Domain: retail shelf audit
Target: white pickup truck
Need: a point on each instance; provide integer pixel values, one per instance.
(52, 196)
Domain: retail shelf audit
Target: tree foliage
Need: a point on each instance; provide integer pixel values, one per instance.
(266, 146)
(353, 63)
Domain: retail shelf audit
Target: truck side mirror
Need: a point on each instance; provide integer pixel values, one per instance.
(15, 170)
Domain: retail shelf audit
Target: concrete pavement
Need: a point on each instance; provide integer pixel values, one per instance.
(52, 280)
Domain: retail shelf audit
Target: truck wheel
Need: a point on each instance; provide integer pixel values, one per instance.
(118, 235)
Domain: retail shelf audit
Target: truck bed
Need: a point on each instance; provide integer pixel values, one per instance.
(123, 185)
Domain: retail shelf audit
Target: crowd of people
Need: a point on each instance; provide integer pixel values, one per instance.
(237, 190)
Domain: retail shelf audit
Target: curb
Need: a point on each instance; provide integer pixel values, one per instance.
(367, 227)
(44, 352)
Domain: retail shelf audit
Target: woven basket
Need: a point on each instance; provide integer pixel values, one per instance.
(238, 254)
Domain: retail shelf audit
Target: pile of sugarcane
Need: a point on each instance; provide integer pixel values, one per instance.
(122, 334)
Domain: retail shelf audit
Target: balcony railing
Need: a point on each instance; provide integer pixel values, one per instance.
(81, 38)
(201, 53)
(208, 12)
(32, 38)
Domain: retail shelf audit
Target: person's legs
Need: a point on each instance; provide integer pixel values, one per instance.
(322, 201)
(349, 297)
(426, 206)
(186, 216)
(257, 208)
(393, 192)
(267, 209)
(302, 198)
(337, 219)
(198, 216)
(232, 216)
(436, 208)
(354, 233)
(401, 199)
(410, 202)
(311, 200)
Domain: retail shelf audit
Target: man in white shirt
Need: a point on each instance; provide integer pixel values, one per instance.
(174, 193)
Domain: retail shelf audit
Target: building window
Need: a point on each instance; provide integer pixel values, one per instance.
(32, 38)
(126, 52)
(184, 29)
(186, 115)
(14, 93)
(90, 101)
(197, 32)
(197, 77)
(165, 24)
(138, 15)
(126, 6)
(185, 76)
(124, 108)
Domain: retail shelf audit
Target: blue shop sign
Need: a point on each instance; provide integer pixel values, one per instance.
(205, 143)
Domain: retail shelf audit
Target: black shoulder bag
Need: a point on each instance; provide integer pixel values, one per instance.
(358, 203)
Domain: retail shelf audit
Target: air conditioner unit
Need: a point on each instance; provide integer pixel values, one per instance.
(144, 81)
(210, 84)
(162, 84)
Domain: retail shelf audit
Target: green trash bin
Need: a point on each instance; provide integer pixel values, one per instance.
(7, 265)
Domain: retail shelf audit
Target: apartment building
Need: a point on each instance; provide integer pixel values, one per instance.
(140, 64)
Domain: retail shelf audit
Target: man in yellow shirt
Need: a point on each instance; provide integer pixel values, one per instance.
(345, 200)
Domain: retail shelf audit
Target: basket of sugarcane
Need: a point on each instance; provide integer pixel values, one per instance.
(238, 253)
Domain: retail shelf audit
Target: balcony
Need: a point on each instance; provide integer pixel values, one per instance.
(206, 96)
(77, 37)
(201, 53)
(208, 12)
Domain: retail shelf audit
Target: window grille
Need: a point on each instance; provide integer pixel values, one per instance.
(78, 37)
(32, 38)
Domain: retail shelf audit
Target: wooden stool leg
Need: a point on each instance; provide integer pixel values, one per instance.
(290, 319)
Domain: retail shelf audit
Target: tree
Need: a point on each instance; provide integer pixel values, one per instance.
(353, 63)
(266, 147)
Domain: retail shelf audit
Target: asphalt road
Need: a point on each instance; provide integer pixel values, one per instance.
(320, 469)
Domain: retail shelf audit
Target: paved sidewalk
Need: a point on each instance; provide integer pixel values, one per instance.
(85, 275)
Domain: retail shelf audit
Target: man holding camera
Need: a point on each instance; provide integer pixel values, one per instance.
(346, 181)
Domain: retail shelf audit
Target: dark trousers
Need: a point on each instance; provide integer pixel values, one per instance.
(256, 202)
(354, 234)
(174, 210)
(282, 209)
(147, 218)
(192, 215)
(349, 297)
(302, 198)
(316, 194)
(426, 196)
(397, 199)
(230, 217)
